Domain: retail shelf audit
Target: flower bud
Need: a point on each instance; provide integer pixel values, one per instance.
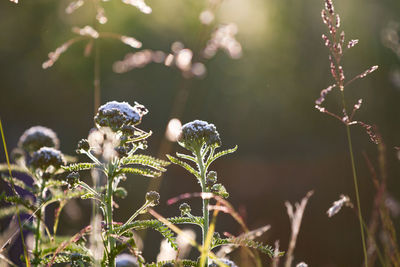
(121, 192)
(83, 145)
(153, 197)
(73, 179)
(185, 209)
(211, 178)
(46, 157)
(116, 115)
(220, 190)
(197, 133)
(122, 151)
(37, 137)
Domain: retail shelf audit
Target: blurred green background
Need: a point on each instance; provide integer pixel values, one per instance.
(263, 102)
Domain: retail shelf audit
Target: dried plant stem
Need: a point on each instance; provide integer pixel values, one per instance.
(353, 167)
(27, 261)
(296, 217)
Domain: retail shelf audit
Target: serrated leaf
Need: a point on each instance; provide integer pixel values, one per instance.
(266, 249)
(18, 183)
(80, 166)
(184, 165)
(184, 263)
(65, 195)
(220, 154)
(16, 168)
(56, 183)
(146, 160)
(16, 200)
(141, 137)
(11, 211)
(184, 156)
(141, 171)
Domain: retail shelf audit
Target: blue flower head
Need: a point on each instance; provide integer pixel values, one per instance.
(116, 115)
(36, 137)
(46, 157)
(197, 133)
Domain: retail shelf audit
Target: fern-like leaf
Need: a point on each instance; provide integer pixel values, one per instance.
(80, 166)
(14, 167)
(141, 171)
(146, 160)
(184, 263)
(18, 183)
(56, 183)
(184, 165)
(220, 154)
(160, 227)
(184, 156)
(11, 211)
(153, 224)
(266, 249)
(16, 200)
(141, 137)
(65, 195)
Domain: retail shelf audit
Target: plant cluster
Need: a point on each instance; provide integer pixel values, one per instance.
(113, 153)
(56, 181)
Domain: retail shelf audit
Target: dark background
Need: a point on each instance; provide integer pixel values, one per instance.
(263, 102)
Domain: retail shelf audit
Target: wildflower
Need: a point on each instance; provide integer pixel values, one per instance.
(46, 157)
(117, 114)
(197, 133)
(36, 137)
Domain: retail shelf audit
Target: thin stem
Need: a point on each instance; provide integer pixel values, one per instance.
(353, 166)
(109, 202)
(40, 215)
(92, 157)
(88, 188)
(206, 215)
(140, 210)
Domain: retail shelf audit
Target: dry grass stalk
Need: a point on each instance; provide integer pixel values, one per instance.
(295, 220)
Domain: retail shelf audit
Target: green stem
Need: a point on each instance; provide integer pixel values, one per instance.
(111, 241)
(206, 215)
(353, 166)
(40, 215)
